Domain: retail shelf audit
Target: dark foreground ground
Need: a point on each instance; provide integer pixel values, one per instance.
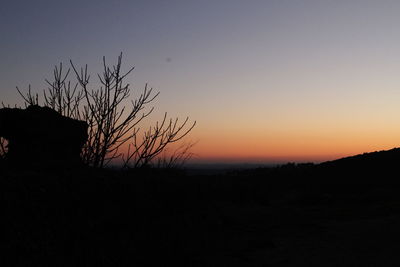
(334, 214)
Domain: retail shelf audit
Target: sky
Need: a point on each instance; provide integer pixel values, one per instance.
(266, 81)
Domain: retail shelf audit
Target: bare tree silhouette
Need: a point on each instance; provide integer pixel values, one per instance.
(111, 123)
(155, 140)
(178, 158)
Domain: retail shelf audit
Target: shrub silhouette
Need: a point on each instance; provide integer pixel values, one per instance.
(3, 147)
(41, 135)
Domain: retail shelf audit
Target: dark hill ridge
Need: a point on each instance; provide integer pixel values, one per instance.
(378, 158)
(379, 166)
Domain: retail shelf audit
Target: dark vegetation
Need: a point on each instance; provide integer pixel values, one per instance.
(339, 213)
(41, 137)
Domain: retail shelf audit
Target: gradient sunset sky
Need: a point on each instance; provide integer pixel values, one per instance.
(266, 81)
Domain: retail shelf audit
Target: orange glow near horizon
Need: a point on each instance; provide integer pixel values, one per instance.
(300, 146)
(292, 137)
(281, 147)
